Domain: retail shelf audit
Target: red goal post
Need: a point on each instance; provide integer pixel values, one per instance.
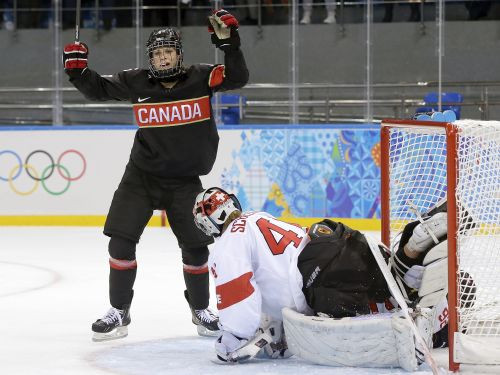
(424, 162)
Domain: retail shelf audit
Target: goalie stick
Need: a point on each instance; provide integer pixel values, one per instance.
(396, 293)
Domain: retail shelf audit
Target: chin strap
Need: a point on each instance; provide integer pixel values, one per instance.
(177, 76)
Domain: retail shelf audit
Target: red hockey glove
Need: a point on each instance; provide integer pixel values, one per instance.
(75, 58)
(224, 29)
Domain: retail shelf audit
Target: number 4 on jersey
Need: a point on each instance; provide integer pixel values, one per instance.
(288, 236)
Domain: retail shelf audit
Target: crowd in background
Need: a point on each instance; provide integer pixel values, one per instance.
(38, 13)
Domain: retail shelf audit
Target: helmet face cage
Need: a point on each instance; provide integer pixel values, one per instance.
(212, 208)
(165, 38)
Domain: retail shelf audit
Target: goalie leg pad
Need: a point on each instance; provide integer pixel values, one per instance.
(435, 278)
(382, 340)
(434, 284)
(425, 324)
(432, 230)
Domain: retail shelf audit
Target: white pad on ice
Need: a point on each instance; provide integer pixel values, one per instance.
(382, 340)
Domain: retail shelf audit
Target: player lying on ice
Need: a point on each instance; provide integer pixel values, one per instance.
(268, 272)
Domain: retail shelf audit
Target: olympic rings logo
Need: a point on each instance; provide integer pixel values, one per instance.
(46, 172)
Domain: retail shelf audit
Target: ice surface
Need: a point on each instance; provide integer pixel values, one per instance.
(53, 285)
(191, 355)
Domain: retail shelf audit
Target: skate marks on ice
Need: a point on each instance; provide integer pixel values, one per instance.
(29, 278)
(194, 355)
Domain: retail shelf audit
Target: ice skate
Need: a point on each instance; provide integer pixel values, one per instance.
(206, 321)
(113, 325)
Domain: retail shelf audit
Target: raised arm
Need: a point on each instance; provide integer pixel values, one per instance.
(92, 85)
(234, 73)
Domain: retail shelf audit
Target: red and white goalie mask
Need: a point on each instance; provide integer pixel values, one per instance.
(212, 208)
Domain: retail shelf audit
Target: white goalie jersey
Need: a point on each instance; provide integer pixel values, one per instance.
(254, 265)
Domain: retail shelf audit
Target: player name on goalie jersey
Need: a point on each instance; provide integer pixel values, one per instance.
(181, 112)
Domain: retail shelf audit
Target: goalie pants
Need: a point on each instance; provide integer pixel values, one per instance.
(137, 196)
(340, 275)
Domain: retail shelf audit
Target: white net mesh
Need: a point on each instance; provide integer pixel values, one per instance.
(417, 170)
(478, 248)
(417, 180)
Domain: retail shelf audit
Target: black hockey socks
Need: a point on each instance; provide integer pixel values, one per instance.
(195, 270)
(122, 271)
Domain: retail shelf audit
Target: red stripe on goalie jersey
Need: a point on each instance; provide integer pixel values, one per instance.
(373, 307)
(234, 291)
(386, 306)
(121, 265)
(177, 113)
(216, 76)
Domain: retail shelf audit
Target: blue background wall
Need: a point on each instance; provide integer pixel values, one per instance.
(307, 171)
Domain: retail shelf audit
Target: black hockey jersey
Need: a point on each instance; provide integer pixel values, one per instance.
(177, 134)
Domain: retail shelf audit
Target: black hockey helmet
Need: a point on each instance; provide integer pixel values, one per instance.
(165, 37)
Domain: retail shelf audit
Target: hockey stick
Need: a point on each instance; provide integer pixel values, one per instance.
(77, 21)
(396, 293)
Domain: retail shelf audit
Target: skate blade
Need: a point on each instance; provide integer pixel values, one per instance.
(202, 331)
(116, 333)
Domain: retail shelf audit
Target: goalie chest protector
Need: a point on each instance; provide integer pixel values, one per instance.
(340, 275)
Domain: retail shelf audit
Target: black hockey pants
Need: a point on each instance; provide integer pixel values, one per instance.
(137, 196)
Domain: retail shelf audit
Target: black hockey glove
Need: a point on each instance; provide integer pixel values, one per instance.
(224, 29)
(75, 59)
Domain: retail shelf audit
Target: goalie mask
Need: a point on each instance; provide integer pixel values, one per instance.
(212, 208)
(164, 38)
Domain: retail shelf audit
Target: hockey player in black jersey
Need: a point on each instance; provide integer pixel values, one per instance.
(176, 143)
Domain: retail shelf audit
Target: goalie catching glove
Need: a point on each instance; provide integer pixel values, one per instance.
(224, 29)
(75, 58)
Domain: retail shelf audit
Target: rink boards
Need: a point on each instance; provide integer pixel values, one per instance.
(67, 175)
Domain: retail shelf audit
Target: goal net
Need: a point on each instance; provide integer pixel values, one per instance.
(425, 163)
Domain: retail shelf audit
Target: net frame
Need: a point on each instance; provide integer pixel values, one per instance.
(448, 136)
